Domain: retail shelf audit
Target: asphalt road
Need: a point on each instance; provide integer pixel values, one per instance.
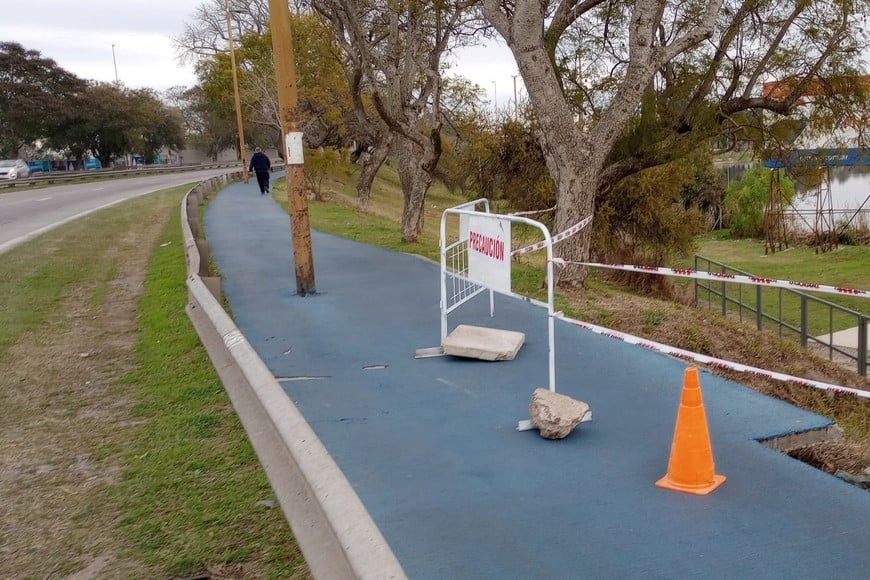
(24, 214)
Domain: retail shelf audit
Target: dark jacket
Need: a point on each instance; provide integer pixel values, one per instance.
(260, 163)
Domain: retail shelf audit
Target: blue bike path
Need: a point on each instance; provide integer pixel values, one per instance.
(430, 445)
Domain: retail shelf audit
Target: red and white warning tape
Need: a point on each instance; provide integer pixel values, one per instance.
(711, 361)
(557, 238)
(725, 277)
(688, 273)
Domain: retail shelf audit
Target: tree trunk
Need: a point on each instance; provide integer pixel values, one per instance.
(415, 183)
(572, 160)
(370, 168)
(575, 157)
(576, 200)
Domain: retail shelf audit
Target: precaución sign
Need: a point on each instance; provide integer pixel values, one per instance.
(489, 251)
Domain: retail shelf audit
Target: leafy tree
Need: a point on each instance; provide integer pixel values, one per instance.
(36, 96)
(468, 136)
(215, 104)
(97, 126)
(642, 220)
(205, 41)
(159, 125)
(746, 198)
(110, 121)
(620, 86)
(519, 170)
(705, 189)
(322, 92)
(505, 161)
(323, 98)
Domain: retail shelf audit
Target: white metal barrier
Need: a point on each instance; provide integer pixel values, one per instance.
(477, 258)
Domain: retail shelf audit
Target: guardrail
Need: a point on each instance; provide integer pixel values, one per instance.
(817, 317)
(332, 527)
(52, 177)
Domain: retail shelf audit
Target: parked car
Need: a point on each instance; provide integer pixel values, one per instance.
(13, 169)
(93, 164)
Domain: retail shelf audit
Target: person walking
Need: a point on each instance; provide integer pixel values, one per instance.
(260, 165)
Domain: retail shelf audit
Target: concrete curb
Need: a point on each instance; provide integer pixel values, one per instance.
(335, 532)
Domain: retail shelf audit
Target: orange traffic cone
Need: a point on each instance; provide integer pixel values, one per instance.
(690, 468)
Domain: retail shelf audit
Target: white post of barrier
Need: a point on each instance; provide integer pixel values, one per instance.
(551, 314)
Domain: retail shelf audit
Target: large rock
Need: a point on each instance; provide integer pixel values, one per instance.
(555, 415)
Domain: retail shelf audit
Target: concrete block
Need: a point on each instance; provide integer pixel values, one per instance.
(483, 343)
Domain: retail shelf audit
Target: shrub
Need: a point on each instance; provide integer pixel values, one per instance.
(745, 200)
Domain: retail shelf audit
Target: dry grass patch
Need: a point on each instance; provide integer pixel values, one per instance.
(65, 418)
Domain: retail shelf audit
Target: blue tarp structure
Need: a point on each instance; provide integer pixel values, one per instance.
(823, 157)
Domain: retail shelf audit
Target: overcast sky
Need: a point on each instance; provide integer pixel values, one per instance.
(79, 37)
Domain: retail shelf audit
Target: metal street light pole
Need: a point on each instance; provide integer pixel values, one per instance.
(115, 62)
(241, 129)
(494, 98)
(516, 104)
(285, 74)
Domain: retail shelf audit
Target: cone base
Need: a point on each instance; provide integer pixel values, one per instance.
(666, 483)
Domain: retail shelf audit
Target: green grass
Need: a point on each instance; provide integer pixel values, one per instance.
(35, 276)
(848, 266)
(845, 266)
(369, 228)
(192, 481)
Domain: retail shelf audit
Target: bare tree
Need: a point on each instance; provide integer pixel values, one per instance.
(398, 50)
(703, 61)
(205, 33)
(372, 136)
(322, 103)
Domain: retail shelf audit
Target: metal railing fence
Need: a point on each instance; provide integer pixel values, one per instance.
(790, 313)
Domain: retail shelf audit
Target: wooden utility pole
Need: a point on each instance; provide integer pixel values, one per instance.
(241, 129)
(297, 197)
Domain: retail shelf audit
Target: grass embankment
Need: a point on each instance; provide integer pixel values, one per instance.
(676, 324)
(120, 454)
(846, 266)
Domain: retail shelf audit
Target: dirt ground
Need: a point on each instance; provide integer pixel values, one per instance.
(64, 426)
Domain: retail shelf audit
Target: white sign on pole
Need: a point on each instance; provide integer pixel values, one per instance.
(489, 251)
(293, 148)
